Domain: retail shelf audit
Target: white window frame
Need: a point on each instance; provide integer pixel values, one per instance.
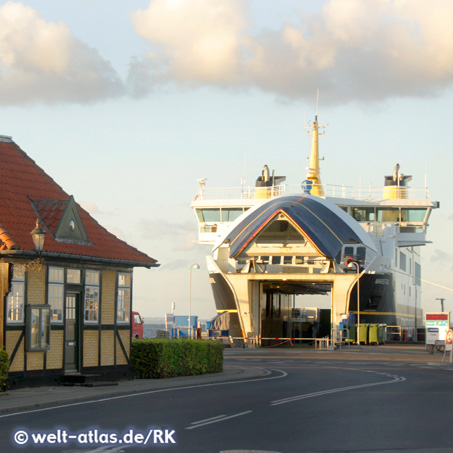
(91, 313)
(123, 312)
(15, 301)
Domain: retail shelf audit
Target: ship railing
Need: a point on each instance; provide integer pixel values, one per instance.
(330, 190)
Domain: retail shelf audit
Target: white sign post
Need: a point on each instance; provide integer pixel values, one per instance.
(437, 326)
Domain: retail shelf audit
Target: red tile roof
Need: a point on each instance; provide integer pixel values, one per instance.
(22, 184)
(50, 212)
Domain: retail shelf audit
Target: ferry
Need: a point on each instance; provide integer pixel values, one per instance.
(275, 241)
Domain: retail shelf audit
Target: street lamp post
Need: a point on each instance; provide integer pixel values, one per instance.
(193, 266)
(351, 264)
(441, 303)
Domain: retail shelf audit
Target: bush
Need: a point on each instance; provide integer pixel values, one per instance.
(4, 368)
(153, 358)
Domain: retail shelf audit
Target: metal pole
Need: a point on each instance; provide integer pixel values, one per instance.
(190, 302)
(441, 303)
(189, 327)
(358, 303)
(358, 297)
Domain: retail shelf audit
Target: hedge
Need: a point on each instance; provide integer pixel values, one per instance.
(4, 368)
(156, 358)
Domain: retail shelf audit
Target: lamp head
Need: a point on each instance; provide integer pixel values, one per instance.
(38, 234)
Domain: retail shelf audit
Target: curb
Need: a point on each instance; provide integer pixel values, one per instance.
(22, 400)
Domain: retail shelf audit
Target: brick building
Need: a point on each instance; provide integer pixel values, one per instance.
(65, 311)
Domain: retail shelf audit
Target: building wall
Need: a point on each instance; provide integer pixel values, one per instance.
(4, 282)
(90, 348)
(125, 336)
(15, 339)
(108, 297)
(54, 356)
(35, 360)
(36, 286)
(108, 348)
(101, 345)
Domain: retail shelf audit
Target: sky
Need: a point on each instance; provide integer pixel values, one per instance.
(126, 104)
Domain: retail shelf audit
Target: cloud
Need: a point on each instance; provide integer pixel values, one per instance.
(441, 259)
(201, 40)
(42, 62)
(182, 235)
(90, 207)
(351, 50)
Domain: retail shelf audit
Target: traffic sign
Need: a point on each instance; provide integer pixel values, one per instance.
(449, 337)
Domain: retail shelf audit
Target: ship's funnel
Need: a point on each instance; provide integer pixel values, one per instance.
(266, 186)
(396, 185)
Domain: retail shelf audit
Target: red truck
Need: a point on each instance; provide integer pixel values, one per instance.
(137, 325)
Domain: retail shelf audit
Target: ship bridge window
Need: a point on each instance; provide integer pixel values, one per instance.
(287, 260)
(364, 214)
(349, 251)
(358, 253)
(231, 214)
(361, 253)
(413, 215)
(388, 214)
(208, 215)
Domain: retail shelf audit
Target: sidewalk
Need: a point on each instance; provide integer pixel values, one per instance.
(39, 397)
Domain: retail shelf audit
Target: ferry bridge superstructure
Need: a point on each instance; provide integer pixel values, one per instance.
(275, 241)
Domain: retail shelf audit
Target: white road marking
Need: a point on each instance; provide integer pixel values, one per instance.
(208, 419)
(218, 420)
(132, 395)
(291, 399)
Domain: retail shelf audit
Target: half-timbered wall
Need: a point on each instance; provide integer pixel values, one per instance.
(104, 344)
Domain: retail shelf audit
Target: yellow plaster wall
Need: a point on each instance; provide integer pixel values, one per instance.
(107, 348)
(108, 297)
(54, 359)
(11, 341)
(90, 348)
(125, 336)
(36, 286)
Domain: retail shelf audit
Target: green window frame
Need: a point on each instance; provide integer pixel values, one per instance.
(123, 313)
(91, 297)
(38, 327)
(55, 293)
(15, 301)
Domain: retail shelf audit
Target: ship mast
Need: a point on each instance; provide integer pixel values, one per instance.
(313, 171)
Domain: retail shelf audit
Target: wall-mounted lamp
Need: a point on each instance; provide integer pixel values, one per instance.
(38, 235)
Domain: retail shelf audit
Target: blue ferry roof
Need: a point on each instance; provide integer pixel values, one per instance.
(325, 224)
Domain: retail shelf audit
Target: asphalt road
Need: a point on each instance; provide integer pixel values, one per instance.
(306, 404)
